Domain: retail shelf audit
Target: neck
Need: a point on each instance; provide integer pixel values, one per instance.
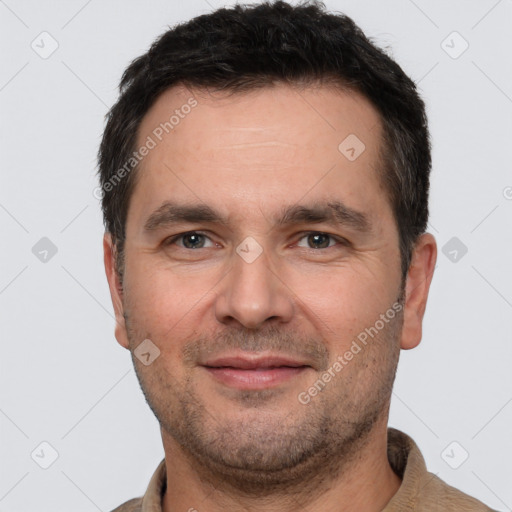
(365, 483)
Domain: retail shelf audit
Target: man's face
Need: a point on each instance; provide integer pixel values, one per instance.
(257, 250)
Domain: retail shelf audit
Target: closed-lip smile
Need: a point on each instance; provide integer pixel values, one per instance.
(254, 371)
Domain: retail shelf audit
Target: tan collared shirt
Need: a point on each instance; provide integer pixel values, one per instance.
(420, 491)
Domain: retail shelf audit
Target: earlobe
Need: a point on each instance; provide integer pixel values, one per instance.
(116, 289)
(419, 277)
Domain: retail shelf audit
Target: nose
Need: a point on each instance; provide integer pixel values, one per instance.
(253, 294)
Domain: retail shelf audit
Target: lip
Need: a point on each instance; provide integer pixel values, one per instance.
(254, 362)
(254, 371)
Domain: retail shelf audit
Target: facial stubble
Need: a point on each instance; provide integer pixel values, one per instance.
(263, 449)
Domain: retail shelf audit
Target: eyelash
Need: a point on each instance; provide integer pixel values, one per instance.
(340, 241)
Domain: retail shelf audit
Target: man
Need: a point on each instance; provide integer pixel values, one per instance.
(265, 177)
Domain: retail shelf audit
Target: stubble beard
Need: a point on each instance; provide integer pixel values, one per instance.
(305, 447)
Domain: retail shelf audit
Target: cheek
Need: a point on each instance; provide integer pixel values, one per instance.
(164, 304)
(345, 304)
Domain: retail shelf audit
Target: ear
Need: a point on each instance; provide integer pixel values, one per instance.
(116, 289)
(419, 277)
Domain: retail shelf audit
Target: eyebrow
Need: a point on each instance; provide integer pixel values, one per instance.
(171, 213)
(333, 211)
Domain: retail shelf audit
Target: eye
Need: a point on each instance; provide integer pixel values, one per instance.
(317, 240)
(191, 240)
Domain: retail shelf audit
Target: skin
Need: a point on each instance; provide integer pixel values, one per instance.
(248, 156)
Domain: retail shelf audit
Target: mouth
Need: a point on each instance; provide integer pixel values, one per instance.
(254, 372)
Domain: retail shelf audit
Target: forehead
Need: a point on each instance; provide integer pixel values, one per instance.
(275, 143)
(280, 111)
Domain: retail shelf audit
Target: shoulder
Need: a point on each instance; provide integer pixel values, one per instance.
(437, 493)
(421, 490)
(134, 505)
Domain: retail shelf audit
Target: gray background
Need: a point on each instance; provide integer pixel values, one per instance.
(64, 378)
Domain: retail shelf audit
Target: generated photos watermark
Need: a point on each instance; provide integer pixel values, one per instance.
(149, 144)
(343, 360)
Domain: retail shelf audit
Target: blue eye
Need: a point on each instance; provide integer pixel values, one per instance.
(191, 240)
(317, 240)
